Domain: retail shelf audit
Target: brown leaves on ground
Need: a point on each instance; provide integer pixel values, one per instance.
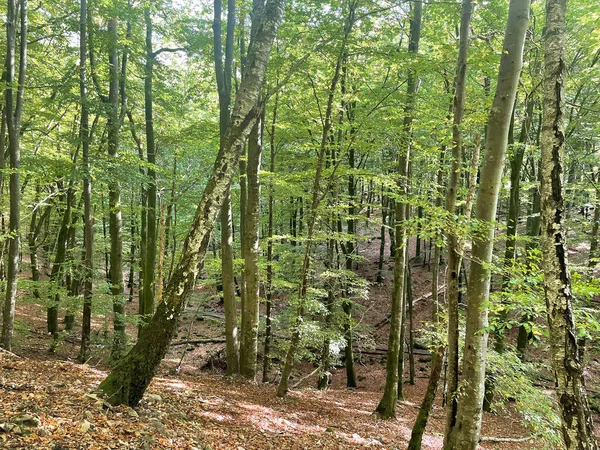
(197, 412)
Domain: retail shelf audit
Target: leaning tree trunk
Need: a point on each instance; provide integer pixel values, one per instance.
(128, 381)
(577, 424)
(13, 111)
(465, 434)
(387, 405)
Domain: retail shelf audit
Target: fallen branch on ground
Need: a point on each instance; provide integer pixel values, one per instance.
(200, 341)
(504, 439)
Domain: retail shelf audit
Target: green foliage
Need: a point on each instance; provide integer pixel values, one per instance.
(514, 385)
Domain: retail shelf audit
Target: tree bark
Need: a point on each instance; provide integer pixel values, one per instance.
(514, 206)
(223, 74)
(250, 314)
(455, 242)
(577, 424)
(387, 405)
(128, 381)
(149, 261)
(13, 98)
(269, 287)
(88, 220)
(465, 434)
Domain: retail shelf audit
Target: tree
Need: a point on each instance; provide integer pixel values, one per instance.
(223, 74)
(577, 424)
(130, 378)
(13, 97)
(455, 244)
(387, 405)
(465, 433)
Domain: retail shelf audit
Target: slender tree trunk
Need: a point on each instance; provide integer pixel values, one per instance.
(382, 239)
(411, 340)
(13, 97)
(514, 206)
(269, 287)
(465, 434)
(250, 315)
(128, 381)
(57, 274)
(325, 375)
(114, 202)
(88, 220)
(387, 405)
(223, 72)
(350, 247)
(593, 259)
(149, 262)
(132, 236)
(455, 243)
(577, 424)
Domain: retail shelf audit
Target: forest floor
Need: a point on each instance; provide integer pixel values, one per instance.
(47, 400)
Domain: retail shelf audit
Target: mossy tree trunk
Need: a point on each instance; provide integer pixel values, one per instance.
(129, 379)
(577, 424)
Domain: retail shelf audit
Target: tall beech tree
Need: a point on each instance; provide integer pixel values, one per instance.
(149, 262)
(250, 313)
(13, 110)
(465, 433)
(455, 243)
(577, 424)
(223, 71)
(130, 378)
(387, 405)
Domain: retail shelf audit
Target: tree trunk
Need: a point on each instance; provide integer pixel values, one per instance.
(13, 111)
(149, 262)
(387, 405)
(465, 434)
(128, 381)
(88, 219)
(514, 206)
(577, 424)
(455, 243)
(223, 76)
(250, 314)
(114, 202)
(382, 239)
(269, 287)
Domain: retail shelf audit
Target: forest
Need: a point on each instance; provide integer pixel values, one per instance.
(300, 224)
